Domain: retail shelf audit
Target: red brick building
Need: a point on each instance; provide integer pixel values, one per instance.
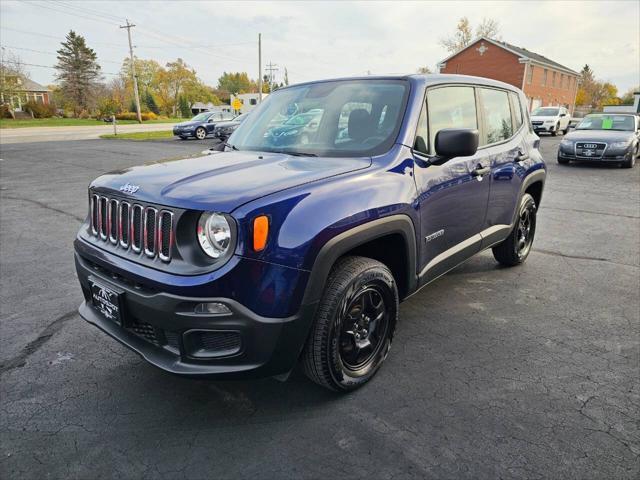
(543, 81)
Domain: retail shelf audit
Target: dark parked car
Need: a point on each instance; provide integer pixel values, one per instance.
(263, 257)
(603, 137)
(299, 128)
(223, 130)
(201, 125)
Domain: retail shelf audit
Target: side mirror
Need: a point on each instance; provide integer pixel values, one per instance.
(456, 142)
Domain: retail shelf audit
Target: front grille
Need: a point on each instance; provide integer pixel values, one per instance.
(590, 149)
(144, 330)
(132, 226)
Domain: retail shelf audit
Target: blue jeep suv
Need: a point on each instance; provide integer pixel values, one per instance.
(250, 261)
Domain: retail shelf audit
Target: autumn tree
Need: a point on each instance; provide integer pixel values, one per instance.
(12, 73)
(234, 83)
(628, 98)
(78, 71)
(464, 33)
(595, 93)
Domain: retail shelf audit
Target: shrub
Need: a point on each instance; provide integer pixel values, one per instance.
(5, 112)
(133, 116)
(39, 110)
(107, 107)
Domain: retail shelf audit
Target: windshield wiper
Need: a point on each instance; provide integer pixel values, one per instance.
(298, 154)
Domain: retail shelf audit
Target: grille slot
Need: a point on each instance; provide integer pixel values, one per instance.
(211, 344)
(136, 228)
(150, 231)
(112, 221)
(95, 218)
(102, 215)
(165, 237)
(124, 224)
(132, 226)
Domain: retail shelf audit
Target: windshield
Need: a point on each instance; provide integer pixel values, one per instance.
(338, 119)
(201, 117)
(607, 122)
(545, 112)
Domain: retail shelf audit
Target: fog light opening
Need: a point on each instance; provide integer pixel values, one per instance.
(212, 308)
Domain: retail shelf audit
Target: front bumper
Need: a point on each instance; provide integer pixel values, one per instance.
(161, 327)
(544, 128)
(183, 133)
(609, 156)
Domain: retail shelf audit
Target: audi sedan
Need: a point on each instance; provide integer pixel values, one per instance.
(603, 137)
(201, 125)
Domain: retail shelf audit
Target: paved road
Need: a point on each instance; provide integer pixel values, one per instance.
(59, 134)
(531, 372)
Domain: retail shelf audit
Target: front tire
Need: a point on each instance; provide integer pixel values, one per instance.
(515, 249)
(562, 161)
(201, 133)
(554, 132)
(354, 325)
(632, 159)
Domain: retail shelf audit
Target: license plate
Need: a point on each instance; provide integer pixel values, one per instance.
(106, 300)
(588, 153)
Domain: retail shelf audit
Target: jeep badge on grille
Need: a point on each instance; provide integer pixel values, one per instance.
(129, 188)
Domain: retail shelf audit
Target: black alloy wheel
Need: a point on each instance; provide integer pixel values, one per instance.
(515, 249)
(353, 326)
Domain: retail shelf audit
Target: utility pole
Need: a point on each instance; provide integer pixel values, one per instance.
(271, 67)
(259, 68)
(129, 26)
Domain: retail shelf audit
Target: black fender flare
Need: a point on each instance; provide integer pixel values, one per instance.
(539, 175)
(340, 244)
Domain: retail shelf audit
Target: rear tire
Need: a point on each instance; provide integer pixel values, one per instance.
(515, 249)
(354, 325)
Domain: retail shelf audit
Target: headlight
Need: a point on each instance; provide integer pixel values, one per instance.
(549, 122)
(619, 144)
(214, 234)
(566, 143)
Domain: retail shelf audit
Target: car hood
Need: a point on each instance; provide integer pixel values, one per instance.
(225, 181)
(543, 118)
(599, 136)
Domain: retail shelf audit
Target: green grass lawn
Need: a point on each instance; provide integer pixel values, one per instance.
(140, 135)
(72, 122)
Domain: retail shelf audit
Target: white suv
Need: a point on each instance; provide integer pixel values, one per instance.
(551, 120)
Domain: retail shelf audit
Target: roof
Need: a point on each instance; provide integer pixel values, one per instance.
(30, 86)
(523, 53)
(427, 79)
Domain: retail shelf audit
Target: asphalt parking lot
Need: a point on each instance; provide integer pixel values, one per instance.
(530, 372)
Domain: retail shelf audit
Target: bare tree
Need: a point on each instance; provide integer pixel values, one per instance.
(463, 35)
(423, 70)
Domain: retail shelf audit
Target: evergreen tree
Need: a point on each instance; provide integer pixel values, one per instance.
(78, 70)
(185, 109)
(150, 102)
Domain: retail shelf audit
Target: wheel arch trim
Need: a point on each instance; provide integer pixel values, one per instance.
(344, 242)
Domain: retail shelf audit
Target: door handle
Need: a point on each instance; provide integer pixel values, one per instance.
(480, 171)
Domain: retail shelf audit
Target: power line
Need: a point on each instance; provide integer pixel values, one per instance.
(110, 22)
(54, 68)
(54, 37)
(52, 53)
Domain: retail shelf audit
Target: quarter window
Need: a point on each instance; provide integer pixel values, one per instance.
(497, 116)
(450, 107)
(517, 110)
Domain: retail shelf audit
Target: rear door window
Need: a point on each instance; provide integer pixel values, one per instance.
(497, 116)
(450, 107)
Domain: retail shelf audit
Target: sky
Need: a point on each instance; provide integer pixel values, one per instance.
(315, 40)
